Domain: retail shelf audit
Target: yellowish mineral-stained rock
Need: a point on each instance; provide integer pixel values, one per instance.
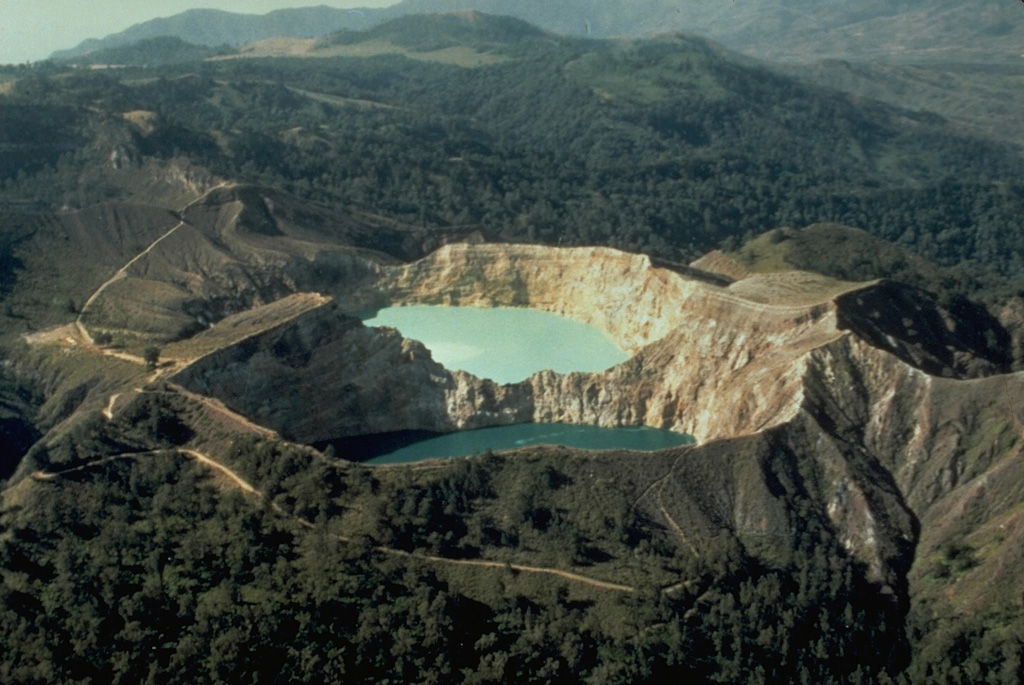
(819, 378)
(697, 348)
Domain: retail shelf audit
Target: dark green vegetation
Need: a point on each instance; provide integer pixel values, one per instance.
(153, 52)
(19, 404)
(443, 31)
(149, 564)
(664, 146)
(125, 554)
(978, 97)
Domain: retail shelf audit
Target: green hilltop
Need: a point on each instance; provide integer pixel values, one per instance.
(434, 32)
(193, 216)
(908, 32)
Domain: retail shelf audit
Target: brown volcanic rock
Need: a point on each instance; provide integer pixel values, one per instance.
(325, 375)
(950, 449)
(697, 347)
(802, 405)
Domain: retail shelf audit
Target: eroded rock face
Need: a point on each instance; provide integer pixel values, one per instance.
(919, 453)
(615, 291)
(705, 362)
(878, 443)
(695, 346)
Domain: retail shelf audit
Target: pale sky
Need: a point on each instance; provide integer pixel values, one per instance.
(31, 30)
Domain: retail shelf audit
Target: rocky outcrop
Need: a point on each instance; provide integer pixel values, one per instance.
(697, 349)
(963, 341)
(879, 444)
(615, 291)
(919, 453)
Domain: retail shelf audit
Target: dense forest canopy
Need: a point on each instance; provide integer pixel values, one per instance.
(178, 580)
(128, 553)
(667, 146)
(902, 32)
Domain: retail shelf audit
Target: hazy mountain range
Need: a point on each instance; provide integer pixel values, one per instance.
(903, 31)
(825, 290)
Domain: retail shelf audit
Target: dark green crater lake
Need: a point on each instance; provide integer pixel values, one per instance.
(506, 345)
(467, 443)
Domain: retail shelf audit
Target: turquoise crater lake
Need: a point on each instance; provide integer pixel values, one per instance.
(504, 344)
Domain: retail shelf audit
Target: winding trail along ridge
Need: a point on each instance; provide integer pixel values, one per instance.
(52, 475)
(243, 484)
(123, 271)
(216, 406)
(568, 575)
(247, 487)
(108, 411)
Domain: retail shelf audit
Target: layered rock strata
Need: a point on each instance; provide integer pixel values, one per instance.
(877, 442)
(696, 350)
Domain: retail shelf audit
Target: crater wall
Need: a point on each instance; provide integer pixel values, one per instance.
(883, 443)
(704, 361)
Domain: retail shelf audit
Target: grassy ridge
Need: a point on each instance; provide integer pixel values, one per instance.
(666, 146)
(382, 577)
(129, 553)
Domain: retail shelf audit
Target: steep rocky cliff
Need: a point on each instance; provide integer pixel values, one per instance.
(865, 406)
(854, 416)
(704, 361)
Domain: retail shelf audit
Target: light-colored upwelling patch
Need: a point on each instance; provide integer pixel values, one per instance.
(452, 353)
(505, 344)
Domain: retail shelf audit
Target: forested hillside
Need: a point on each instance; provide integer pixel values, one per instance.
(666, 146)
(333, 574)
(151, 532)
(908, 32)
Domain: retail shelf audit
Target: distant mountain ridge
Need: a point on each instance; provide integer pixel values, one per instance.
(216, 27)
(442, 30)
(900, 31)
(150, 52)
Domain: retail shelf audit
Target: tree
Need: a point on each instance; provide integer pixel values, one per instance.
(151, 355)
